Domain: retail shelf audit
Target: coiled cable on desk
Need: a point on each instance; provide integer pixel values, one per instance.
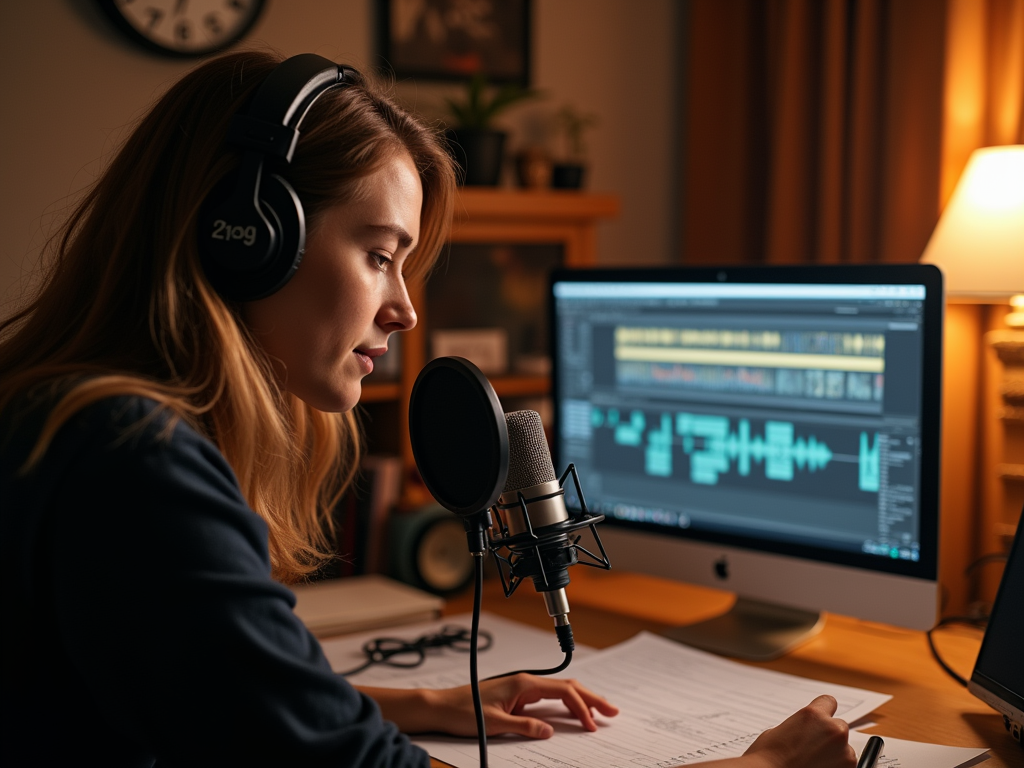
(407, 654)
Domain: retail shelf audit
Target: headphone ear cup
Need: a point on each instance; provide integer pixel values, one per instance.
(242, 281)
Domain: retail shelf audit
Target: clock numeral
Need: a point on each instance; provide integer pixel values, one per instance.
(155, 14)
(213, 24)
(238, 5)
(182, 30)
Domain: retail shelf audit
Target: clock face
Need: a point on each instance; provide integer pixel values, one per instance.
(183, 27)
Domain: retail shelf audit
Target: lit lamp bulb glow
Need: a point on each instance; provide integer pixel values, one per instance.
(1016, 317)
(979, 240)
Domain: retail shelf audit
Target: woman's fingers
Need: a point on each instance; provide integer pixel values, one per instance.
(502, 722)
(825, 704)
(520, 690)
(809, 738)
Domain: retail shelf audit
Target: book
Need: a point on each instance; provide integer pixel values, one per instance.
(364, 516)
(359, 603)
(382, 480)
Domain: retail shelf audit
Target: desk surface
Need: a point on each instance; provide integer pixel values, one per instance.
(927, 704)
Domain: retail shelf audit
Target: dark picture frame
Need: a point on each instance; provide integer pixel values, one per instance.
(454, 40)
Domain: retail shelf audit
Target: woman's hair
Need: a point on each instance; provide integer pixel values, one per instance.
(125, 308)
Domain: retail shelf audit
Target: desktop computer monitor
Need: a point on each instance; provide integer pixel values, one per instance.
(773, 431)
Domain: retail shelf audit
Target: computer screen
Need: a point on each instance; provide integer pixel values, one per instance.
(773, 431)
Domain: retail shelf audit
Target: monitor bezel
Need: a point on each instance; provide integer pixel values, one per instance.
(986, 682)
(926, 568)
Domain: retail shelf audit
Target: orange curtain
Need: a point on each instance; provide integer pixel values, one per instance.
(984, 82)
(824, 130)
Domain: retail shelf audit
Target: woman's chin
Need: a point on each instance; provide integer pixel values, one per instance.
(333, 399)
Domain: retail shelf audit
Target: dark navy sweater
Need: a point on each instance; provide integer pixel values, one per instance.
(141, 624)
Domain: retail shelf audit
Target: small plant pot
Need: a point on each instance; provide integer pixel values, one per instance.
(533, 169)
(479, 155)
(567, 176)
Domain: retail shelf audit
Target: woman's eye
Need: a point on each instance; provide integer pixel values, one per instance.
(382, 261)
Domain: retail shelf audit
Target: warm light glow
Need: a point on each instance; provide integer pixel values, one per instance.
(996, 182)
(1015, 319)
(979, 240)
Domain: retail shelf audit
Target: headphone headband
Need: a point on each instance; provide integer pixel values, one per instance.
(252, 228)
(271, 123)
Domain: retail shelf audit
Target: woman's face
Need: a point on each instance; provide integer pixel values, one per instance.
(324, 329)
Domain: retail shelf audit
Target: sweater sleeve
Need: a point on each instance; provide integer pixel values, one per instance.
(163, 600)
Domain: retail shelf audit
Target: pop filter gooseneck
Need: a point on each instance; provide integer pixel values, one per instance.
(460, 443)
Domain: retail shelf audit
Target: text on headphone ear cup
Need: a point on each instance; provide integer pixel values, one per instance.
(239, 279)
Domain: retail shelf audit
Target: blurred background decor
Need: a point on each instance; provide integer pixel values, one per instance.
(476, 144)
(453, 39)
(569, 173)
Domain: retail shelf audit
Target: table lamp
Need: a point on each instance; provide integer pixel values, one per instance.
(979, 245)
(979, 240)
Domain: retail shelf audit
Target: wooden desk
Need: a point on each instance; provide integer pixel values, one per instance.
(927, 705)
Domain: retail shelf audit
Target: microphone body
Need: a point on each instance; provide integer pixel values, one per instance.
(532, 506)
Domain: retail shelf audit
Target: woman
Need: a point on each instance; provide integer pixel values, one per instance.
(172, 443)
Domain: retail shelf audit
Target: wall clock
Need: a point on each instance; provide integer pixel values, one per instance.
(183, 27)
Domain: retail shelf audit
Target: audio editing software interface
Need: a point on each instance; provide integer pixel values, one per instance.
(782, 412)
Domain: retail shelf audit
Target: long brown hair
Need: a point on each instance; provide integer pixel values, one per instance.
(125, 308)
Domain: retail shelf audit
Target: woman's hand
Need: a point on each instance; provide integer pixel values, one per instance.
(450, 710)
(810, 738)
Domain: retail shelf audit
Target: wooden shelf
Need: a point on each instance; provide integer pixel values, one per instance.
(381, 392)
(521, 386)
(525, 216)
(477, 204)
(504, 386)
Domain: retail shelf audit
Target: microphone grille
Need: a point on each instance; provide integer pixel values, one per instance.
(529, 461)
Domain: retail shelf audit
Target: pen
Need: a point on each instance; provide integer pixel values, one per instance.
(872, 750)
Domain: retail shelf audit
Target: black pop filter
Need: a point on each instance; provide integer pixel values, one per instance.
(458, 435)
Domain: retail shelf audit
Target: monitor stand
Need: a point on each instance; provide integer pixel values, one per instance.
(751, 630)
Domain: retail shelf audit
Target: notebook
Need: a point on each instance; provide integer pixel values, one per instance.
(357, 603)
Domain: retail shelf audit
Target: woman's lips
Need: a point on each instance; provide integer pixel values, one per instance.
(366, 356)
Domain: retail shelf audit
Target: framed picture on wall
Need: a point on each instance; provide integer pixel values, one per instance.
(455, 39)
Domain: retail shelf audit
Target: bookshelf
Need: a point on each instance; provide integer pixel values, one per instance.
(502, 244)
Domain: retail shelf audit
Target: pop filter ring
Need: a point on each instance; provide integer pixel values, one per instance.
(457, 422)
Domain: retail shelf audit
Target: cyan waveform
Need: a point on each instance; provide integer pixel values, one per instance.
(869, 464)
(714, 449)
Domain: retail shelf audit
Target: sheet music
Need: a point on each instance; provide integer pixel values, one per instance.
(679, 706)
(899, 753)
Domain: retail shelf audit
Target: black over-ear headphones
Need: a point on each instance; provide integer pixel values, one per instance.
(252, 229)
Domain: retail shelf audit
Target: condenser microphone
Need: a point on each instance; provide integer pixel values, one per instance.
(537, 529)
(533, 507)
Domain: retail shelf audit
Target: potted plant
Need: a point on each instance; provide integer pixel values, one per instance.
(475, 144)
(569, 173)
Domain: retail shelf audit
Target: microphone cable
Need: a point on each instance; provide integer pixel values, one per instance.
(553, 670)
(474, 681)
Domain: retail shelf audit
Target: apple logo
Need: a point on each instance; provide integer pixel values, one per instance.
(722, 568)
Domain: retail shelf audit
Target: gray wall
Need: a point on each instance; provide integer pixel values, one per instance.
(71, 89)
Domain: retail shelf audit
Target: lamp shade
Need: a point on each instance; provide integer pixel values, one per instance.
(979, 240)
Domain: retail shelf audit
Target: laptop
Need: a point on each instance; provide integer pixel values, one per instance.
(998, 677)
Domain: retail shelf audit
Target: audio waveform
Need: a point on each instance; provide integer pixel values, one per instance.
(714, 449)
(849, 386)
(799, 342)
